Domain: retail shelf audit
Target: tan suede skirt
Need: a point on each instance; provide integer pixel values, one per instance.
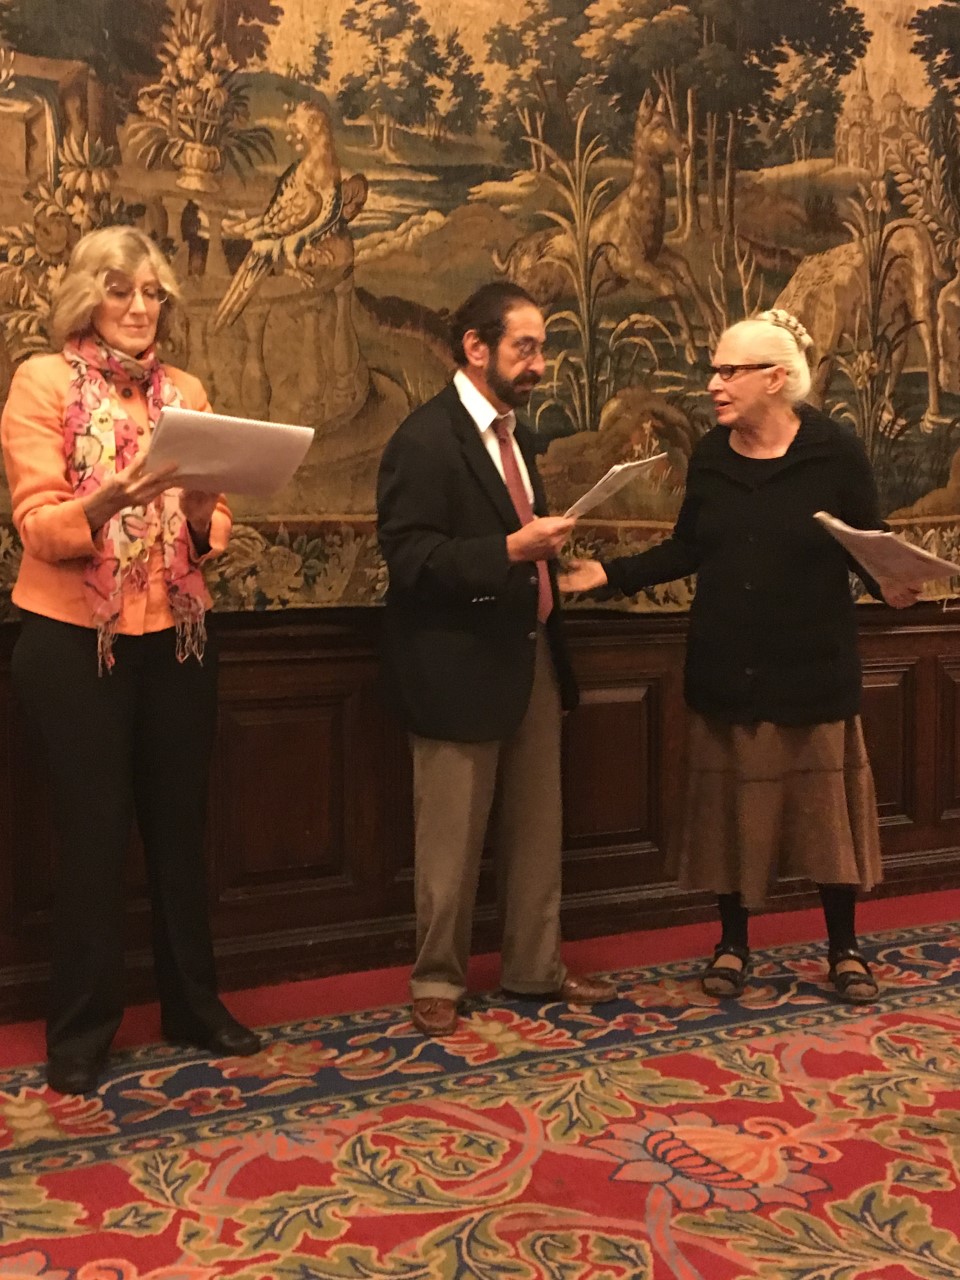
(764, 801)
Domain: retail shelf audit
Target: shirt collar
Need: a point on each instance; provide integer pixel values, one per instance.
(479, 407)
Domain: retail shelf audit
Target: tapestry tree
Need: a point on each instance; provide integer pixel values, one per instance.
(116, 39)
(541, 53)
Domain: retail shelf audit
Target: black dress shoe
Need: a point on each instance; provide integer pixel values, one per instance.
(227, 1038)
(73, 1075)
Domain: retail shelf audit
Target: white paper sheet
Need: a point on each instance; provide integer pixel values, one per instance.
(227, 455)
(886, 556)
(610, 484)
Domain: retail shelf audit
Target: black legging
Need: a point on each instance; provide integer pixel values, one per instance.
(839, 910)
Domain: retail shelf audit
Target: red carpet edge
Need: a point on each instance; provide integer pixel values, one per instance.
(23, 1042)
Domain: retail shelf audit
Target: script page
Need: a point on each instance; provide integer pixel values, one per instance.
(608, 485)
(227, 455)
(886, 556)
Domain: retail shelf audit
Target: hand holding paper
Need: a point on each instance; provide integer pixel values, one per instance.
(582, 575)
(217, 454)
(887, 558)
(610, 484)
(541, 539)
(133, 486)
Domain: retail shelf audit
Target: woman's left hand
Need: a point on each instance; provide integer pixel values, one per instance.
(581, 575)
(198, 507)
(898, 596)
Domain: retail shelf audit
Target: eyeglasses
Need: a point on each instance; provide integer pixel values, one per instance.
(121, 293)
(527, 349)
(727, 371)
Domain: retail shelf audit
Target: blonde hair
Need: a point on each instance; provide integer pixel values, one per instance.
(81, 290)
(779, 337)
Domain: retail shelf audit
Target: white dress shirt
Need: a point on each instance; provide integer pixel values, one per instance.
(486, 417)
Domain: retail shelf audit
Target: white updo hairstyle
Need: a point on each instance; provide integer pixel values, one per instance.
(780, 338)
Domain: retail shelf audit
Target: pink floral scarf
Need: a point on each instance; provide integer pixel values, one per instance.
(100, 440)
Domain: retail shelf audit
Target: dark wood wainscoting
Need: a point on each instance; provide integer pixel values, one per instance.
(310, 833)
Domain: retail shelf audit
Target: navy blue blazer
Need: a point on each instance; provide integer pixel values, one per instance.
(461, 618)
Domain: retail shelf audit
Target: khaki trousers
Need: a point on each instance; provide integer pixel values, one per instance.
(510, 787)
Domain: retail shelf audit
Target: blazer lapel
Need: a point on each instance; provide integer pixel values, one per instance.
(480, 462)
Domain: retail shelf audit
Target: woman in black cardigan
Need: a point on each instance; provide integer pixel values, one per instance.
(777, 773)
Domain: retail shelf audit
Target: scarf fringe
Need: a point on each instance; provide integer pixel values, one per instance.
(191, 638)
(106, 634)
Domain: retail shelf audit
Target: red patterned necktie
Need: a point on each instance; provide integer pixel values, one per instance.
(521, 504)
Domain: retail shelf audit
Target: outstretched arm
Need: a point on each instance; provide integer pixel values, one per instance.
(676, 557)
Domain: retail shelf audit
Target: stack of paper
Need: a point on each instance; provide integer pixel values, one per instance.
(610, 484)
(227, 455)
(887, 557)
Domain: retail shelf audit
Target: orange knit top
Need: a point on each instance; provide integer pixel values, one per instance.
(57, 539)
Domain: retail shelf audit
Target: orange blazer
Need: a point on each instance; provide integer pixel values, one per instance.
(57, 540)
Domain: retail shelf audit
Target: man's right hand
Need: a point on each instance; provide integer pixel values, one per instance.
(541, 539)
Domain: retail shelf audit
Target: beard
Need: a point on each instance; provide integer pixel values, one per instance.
(512, 391)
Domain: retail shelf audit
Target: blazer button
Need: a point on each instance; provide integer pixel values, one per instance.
(534, 581)
(531, 635)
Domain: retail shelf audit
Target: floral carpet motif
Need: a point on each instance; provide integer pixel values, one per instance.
(784, 1136)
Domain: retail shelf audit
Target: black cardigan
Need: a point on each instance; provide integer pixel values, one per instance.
(773, 632)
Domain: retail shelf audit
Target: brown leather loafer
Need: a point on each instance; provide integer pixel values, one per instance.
(434, 1016)
(586, 990)
(573, 989)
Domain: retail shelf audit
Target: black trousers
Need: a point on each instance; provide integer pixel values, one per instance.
(133, 742)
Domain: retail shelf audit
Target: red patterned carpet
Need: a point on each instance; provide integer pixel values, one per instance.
(784, 1136)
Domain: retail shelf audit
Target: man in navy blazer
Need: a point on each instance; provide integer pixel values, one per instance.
(475, 653)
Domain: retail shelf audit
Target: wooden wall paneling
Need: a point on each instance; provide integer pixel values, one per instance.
(310, 838)
(947, 729)
(281, 828)
(608, 768)
(344, 804)
(620, 781)
(297, 795)
(905, 731)
(889, 720)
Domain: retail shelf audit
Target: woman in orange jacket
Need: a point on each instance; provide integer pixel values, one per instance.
(113, 663)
